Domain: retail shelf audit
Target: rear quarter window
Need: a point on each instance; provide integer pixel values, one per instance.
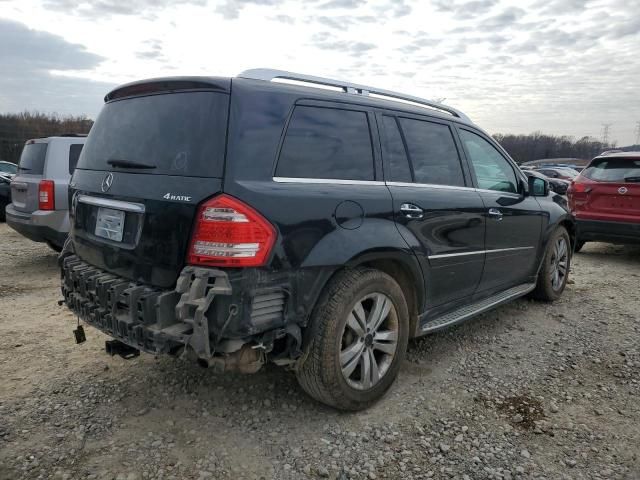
(327, 143)
(32, 158)
(74, 154)
(613, 170)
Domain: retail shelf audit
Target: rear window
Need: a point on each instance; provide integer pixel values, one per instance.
(32, 158)
(179, 134)
(327, 143)
(614, 170)
(433, 153)
(74, 154)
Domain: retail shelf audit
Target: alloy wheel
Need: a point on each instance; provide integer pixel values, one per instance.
(559, 263)
(369, 341)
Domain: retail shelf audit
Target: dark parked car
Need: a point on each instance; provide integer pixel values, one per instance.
(605, 199)
(562, 173)
(238, 221)
(557, 185)
(5, 196)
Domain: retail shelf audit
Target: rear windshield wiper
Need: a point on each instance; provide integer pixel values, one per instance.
(128, 164)
(632, 179)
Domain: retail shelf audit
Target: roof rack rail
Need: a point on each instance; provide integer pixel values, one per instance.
(268, 75)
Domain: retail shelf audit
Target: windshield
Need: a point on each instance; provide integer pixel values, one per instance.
(614, 170)
(175, 134)
(32, 158)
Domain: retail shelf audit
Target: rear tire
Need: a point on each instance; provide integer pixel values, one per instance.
(54, 247)
(555, 267)
(358, 340)
(3, 215)
(579, 245)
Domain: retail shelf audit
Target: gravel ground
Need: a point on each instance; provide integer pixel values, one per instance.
(530, 390)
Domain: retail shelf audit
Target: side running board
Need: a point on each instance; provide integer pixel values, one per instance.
(476, 308)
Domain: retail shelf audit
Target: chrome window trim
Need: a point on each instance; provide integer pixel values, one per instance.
(326, 181)
(478, 252)
(428, 185)
(498, 192)
(115, 204)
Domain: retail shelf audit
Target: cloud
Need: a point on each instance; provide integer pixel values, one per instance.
(505, 19)
(230, 9)
(97, 8)
(284, 19)
(465, 10)
(341, 4)
(326, 41)
(29, 56)
(36, 51)
(152, 52)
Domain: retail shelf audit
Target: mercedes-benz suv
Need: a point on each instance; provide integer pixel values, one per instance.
(308, 222)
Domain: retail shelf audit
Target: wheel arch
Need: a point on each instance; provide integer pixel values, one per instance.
(400, 265)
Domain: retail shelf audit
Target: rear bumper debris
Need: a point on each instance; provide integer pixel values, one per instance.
(149, 319)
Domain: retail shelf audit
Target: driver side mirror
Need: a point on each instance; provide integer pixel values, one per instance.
(538, 187)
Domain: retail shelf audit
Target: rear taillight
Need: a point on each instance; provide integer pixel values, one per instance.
(46, 195)
(580, 188)
(229, 233)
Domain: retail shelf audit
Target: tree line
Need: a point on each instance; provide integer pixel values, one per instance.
(536, 146)
(17, 128)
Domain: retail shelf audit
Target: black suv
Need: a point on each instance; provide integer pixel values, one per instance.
(312, 223)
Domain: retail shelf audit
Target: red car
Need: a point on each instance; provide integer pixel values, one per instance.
(605, 199)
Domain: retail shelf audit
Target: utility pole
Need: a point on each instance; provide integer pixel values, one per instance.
(605, 133)
(637, 133)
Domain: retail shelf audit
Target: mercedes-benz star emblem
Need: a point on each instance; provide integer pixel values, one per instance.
(622, 190)
(107, 181)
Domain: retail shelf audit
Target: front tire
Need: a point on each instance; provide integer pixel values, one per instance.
(360, 329)
(555, 267)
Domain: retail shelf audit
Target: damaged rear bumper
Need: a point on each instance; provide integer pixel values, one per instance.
(193, 319)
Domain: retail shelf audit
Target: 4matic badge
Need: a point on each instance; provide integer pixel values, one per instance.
(179, 198)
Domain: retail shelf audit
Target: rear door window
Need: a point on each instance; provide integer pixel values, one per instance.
(327, 143)
(614, 170)
(432, 152)
(32, 158)
(396, 163)
(177, 134)
(74, 154)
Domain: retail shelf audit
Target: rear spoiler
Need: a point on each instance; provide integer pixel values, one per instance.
(169, 85)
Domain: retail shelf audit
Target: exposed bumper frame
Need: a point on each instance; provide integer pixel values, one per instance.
(153, 320)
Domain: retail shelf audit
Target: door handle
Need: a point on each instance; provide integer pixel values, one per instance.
(411, 211)
(495, 213)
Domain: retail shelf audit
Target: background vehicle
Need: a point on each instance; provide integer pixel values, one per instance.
(39, 203)
(562, 173)
(557, 185)
(5, 195)
(8, 169)
(319, 229)
(605, 199)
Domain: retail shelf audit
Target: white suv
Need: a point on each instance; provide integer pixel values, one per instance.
(39, 207)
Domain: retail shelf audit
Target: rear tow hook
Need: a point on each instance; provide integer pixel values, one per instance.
(116, 347)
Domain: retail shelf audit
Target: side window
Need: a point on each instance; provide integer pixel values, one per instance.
(396, 162)
(74, 154)
(432, 152)
(327, 143)
(492, 170)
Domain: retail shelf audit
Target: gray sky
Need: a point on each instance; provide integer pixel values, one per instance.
(556, 66)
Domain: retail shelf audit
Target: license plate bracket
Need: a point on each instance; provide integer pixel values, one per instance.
(110, 224)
